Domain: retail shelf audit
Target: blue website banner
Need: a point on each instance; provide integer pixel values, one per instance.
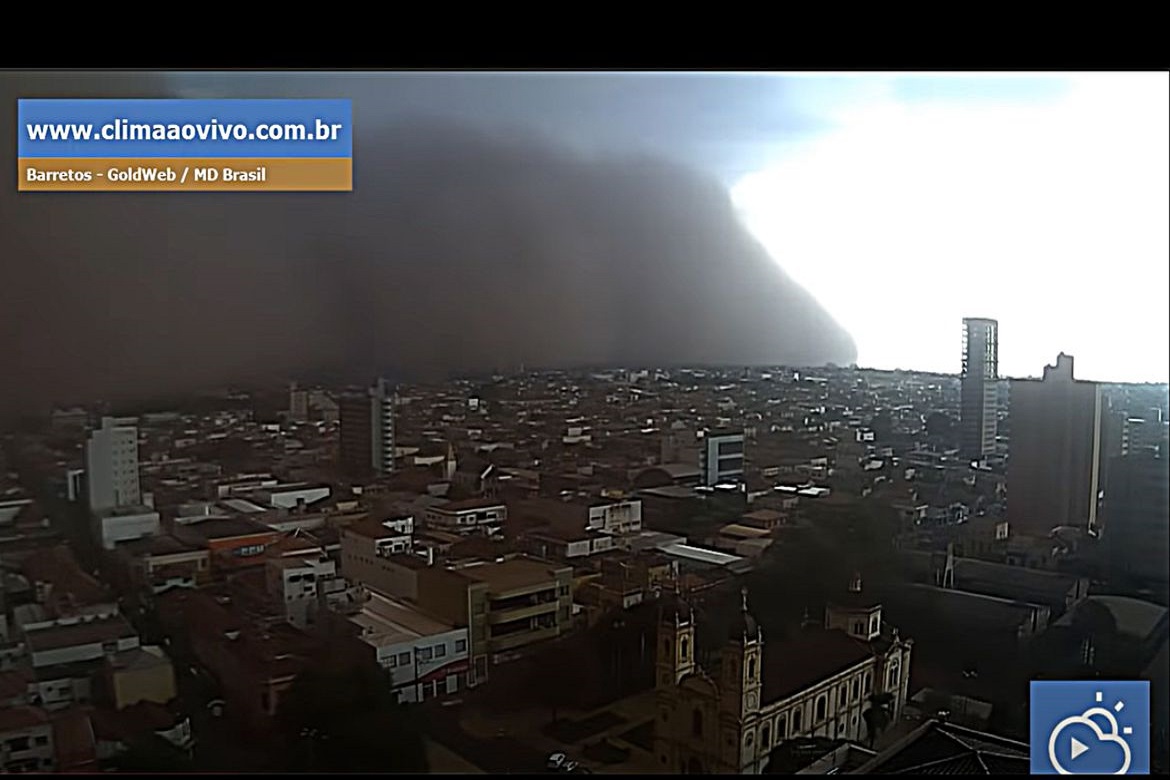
(140, 128)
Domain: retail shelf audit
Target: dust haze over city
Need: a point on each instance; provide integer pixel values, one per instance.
(614, 422)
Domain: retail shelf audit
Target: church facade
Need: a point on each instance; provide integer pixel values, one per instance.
(818, 683)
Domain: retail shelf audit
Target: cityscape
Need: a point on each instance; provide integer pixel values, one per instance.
(689, 532)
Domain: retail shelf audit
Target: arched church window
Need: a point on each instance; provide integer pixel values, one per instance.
(781, 728)
(796, 720)
(751, 668)
(697, 722)
(686, 644)
(765, 736)
(822, 704)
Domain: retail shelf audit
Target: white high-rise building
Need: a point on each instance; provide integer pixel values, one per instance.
(111, 465)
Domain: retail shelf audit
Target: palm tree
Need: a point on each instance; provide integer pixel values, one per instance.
(877, 715)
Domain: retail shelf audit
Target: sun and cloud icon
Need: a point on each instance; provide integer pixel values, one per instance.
(1110, 736)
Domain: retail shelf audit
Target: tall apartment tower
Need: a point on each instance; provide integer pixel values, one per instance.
(1054, 459)
(367, 431)
(111, 465)
(979, 387)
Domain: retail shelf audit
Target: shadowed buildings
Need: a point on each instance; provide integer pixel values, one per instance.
(1054, 460)
(367, 432)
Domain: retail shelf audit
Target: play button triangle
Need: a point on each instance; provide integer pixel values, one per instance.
(1078, 747)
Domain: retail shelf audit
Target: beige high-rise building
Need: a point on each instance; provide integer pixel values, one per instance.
(1054, 459)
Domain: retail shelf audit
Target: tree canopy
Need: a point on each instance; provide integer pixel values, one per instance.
(348, 719)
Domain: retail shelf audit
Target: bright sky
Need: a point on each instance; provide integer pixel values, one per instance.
(1048, 212)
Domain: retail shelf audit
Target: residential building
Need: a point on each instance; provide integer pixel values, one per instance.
(468, 516)
(26, 740)
(111, 465)
(79, 640)
(506, 604)
(426, 657)
(367, 431)
(721, 457)
(301, 584)
(378, 554)
(815, 684)
(979, 388)
(125, 523)
(1054, 454)
(139, 674)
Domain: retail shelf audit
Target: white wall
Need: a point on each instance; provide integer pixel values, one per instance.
(111, 459)
(75, 653)
(122, 528)
(400, 659)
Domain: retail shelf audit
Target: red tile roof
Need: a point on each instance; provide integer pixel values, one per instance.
(17, 718)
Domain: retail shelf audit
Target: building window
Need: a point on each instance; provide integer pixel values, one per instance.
(392, 662)
(853, 690)
(765, 734)
(697, 723)
(752, 668)
(822, 705)
(18, 744)
(893, 676)
(425, 654)
(440, 651)
(460, 645)
(685, 647)
(404, 659)
(858, 627)
(842, 699)
(867, 685)
(781, 728)
(797, 718)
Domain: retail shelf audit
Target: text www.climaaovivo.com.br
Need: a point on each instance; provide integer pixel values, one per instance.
(125, 130)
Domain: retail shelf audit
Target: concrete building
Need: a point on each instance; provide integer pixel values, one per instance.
(426, 657)
(26, 740)
(816, 684)
(125, 524)
(79, 640)
(979, 388)
(367, 432)
(506, 605)
(373, 555)
(111, 465)
(301, 583)
(140, 674)
(469, 516)
(298, 403)
(721, 457)
(1136, 523)
(1054, 457)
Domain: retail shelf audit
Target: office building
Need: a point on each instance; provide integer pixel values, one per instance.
(979, 388)
(111, 465)
(1136, 522)
(367, 432)
(721, 458)
(1055, 452)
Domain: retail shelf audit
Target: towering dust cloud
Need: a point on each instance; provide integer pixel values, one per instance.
(458, 250)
